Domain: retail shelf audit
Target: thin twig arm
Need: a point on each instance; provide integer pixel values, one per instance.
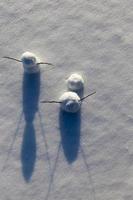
(61, 102)
(40, 63)
(44, 63)
(87, 96)
(12, 58)
(50, 101)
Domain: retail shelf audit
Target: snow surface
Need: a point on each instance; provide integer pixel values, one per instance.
(45, 154)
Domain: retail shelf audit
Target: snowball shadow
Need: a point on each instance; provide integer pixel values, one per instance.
(70, 134)
(31, 92)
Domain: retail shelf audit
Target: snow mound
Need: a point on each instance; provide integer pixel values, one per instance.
(70, 102)
(30, 62)
(75, 82)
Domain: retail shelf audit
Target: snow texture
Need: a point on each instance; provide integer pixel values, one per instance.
(70, 102)
(75, 82)
(30, 62)
(53, 155)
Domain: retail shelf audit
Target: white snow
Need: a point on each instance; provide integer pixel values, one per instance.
(30, 62)
(75, 82)
(50, 155)
(70, 102)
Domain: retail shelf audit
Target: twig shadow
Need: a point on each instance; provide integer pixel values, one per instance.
(44, 140)
(12, 143)
(89, 173)
(70, 134)
(31, 92)
(51, 177)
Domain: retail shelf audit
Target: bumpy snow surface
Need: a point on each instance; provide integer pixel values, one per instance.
(49, 154)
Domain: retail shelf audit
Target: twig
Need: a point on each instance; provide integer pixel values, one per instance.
(12, 58)
(87, 96)
(50, 102)
(43, 63)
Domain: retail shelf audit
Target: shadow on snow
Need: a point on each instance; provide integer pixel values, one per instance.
(31, 92)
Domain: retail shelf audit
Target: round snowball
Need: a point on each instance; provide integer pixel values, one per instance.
(70, 102)
(30, 62)
(75, 82)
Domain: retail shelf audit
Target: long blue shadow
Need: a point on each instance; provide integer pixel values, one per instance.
(70, 134)
(31, 92)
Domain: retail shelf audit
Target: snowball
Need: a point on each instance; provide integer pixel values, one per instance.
(70, 102)
(75, 82)
(30, 62)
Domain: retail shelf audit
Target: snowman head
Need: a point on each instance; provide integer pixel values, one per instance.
(70, 102)
(30, 62)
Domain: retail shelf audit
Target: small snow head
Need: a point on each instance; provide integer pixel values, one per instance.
(75, 82)
(70, 102)
(30, 62)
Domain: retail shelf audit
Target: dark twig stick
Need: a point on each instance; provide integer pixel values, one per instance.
(40, 63)
(48, 69)
(61, 102)
(50, 102)
(12, 58)
(87, 96)
(43, 63)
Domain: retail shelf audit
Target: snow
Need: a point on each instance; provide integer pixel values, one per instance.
(75, 82)
(45, 154)
(30, 62)
(70, 102)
